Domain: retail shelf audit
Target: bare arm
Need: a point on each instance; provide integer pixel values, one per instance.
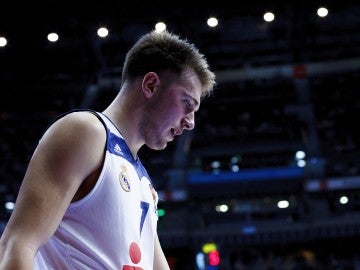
(70, 150)
(160, 262)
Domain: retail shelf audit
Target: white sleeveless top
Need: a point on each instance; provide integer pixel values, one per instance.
(113, 227)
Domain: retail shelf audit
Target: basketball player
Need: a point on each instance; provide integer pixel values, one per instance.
(86, 201)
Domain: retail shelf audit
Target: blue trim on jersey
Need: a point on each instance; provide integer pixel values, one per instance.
(145, 208)
(117, 146)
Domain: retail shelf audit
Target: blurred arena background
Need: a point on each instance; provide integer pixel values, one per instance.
(269, 178)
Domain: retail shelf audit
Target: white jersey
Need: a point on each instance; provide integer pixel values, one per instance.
(113, 227)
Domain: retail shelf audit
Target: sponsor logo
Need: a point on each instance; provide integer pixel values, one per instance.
(155, 197)
(117, 149)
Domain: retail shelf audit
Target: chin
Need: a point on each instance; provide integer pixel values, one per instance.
(159, 146)
(162, 147)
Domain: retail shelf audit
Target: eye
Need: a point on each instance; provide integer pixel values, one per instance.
(187, 104)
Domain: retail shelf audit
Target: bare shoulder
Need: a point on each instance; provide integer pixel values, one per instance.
(80, 119)
(75, 143)
(78, 125)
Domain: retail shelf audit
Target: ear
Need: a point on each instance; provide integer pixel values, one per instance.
(150, 83)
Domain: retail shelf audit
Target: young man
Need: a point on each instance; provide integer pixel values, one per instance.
(86, 201)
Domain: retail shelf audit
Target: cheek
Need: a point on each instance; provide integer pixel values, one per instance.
(167, 112)
(174, 116)
(170, 112)
(160, 118)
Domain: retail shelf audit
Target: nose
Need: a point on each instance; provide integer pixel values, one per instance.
(188, 122)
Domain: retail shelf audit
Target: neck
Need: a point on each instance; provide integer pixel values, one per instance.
(125, 116)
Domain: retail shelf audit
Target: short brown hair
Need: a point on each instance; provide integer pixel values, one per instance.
(166, 51)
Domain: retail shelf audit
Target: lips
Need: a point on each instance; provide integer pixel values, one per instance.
(176, 132)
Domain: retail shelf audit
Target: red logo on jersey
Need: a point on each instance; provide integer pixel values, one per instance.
(135, 256)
